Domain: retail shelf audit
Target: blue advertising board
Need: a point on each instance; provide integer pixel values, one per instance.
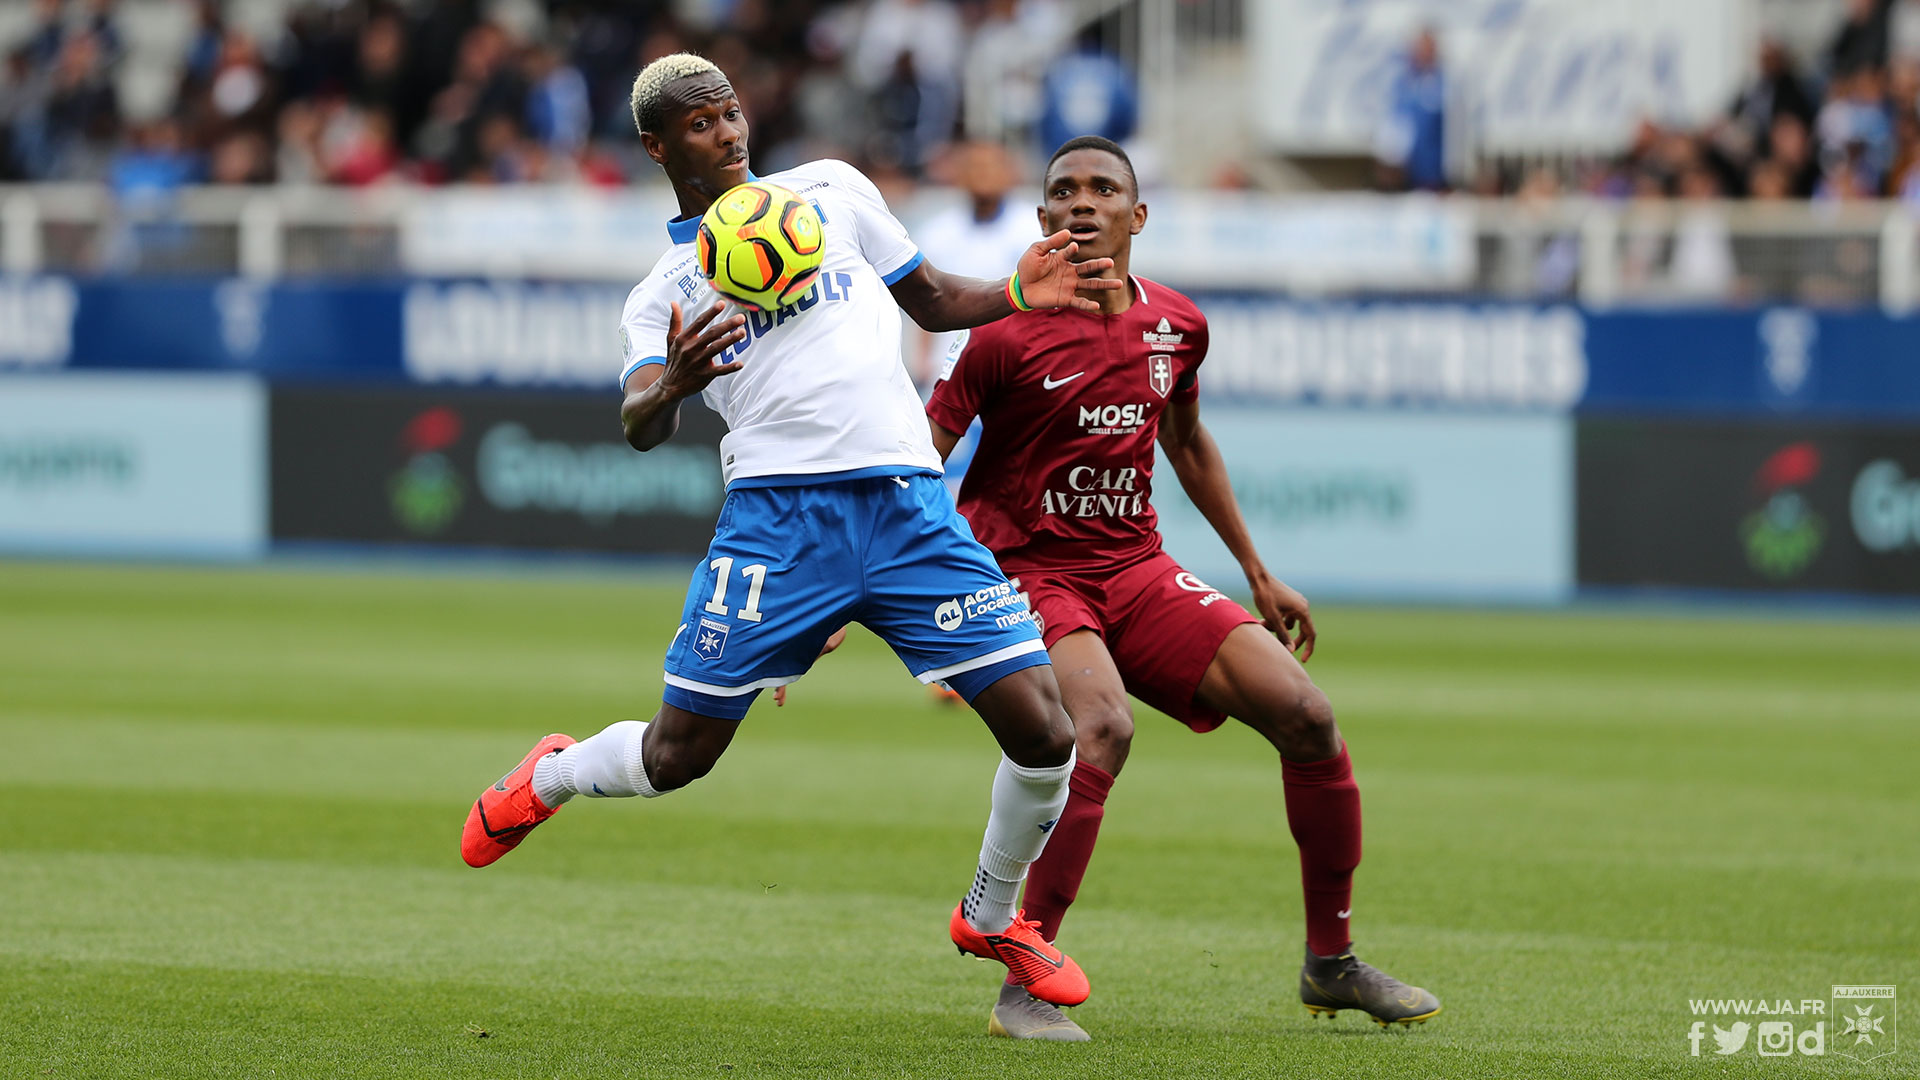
(1265, 350)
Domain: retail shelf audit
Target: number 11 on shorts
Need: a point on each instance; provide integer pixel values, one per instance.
(756, 576)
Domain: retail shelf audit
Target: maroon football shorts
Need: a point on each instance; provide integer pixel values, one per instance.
(1161, 624)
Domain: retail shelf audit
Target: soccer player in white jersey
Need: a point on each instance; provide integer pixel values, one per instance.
(834, 513)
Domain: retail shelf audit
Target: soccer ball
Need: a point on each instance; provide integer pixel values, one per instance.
(760, 245)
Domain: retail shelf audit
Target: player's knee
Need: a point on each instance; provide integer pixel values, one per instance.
(1300, 722)
(1104, 731)
(1051, 744)
(1046, 743)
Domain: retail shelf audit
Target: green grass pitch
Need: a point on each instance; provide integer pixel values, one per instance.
(232, 801)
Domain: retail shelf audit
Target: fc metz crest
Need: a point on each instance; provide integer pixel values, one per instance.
(1160, 373)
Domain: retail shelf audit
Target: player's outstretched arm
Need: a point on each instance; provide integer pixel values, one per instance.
(651, 412)
(1046, 277)
(1197, 461)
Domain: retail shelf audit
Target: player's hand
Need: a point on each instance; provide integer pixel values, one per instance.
(691, 350)
(833, 642)
(1049, 278)
(1283, 611)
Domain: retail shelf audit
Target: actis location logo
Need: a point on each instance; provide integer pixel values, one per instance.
(427, 493)
(1785, 533)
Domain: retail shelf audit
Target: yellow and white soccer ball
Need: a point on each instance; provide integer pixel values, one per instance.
(760, 245)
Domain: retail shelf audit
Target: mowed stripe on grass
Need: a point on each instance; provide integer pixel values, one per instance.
(233, 797)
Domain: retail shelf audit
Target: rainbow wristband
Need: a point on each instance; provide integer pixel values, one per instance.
(1014, 295)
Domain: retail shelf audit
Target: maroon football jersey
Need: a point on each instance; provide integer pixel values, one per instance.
(1069, 404)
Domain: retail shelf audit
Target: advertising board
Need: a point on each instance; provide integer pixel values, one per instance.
(139, 465)
(1528, 75)
(487, 468)
(1555, 358)
(1749, 505)
(1406, 505)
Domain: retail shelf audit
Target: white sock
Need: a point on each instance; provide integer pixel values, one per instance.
(604, 766)
(1026, 804)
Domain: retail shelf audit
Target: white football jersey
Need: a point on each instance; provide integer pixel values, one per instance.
(823, 390)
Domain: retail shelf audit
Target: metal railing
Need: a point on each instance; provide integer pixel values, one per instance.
(1600, 253)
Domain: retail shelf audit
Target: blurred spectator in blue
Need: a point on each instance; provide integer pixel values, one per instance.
(1411, 144)
(559, 110)
(1861, 41)
(605, 50)
(1087, 93)
(1856, 127)
(154, 166)
(72, 134)
(100, 23)
(42, 47)
(203, 51)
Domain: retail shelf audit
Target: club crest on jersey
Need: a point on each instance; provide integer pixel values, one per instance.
(710, 639)
(1162, 338)
(1160, 373)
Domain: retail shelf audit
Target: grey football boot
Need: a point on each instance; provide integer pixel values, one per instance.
(1020, 1015)
(1331, 983)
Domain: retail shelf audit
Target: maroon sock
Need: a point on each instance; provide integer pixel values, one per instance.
(1323, 811)
(1054, 879)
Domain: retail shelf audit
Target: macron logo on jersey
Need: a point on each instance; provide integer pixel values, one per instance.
(833, 288)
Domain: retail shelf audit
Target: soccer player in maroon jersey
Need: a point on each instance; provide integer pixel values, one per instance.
(1060, 490)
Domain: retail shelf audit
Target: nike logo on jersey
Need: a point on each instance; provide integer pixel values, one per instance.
(1343, 914)
(1050, 382)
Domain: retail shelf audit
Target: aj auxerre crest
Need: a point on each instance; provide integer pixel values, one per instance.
(709, 639)
(1866, 1020)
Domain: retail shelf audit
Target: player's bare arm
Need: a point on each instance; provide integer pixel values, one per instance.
(1197, 461)
(650, 414)
(1048, 278)
(943, 440)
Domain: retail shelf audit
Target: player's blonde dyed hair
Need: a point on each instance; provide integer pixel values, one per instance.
(654, 78)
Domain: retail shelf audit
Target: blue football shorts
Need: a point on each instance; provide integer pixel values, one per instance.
(791, 564)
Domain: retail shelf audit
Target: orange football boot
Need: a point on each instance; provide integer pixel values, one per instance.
(505, 813)
(1045, 971)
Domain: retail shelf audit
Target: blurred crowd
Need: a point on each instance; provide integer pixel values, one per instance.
(1845, 128)
(357, 92)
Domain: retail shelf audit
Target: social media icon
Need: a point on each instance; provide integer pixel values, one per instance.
(1776, 1038)
(1733, 1041)
(1813, 1041)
